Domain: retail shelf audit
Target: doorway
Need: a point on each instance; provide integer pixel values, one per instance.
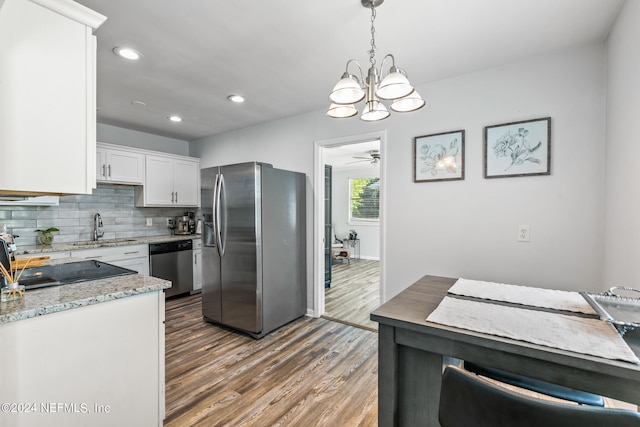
(349, 248)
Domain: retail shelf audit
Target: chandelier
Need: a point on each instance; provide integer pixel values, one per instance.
(393, 87)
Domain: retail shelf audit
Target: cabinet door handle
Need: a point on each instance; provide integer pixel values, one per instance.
(176, 197)
(109, 171)
(172, 197)
(104, 172)
(131, 253)
(93, 257)
(195, 259)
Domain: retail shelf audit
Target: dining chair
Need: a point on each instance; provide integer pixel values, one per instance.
(539, 386)
(467, 400)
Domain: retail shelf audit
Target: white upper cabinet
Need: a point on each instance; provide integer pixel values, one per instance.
(119, 166)
(170, 181)
(47, 97)
(186, 182)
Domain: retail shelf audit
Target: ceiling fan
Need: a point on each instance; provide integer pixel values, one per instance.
(373, 157)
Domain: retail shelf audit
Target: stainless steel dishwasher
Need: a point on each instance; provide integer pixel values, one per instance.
(173, 261)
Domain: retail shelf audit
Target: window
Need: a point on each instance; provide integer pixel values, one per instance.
(364, 199)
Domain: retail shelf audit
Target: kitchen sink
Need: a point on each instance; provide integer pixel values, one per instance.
(102, 242)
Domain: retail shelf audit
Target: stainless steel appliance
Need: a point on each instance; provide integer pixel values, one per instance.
(253, 247)
(173, 261)
(185, 224)
(71, 272)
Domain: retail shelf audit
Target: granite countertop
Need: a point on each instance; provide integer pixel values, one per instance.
(77, 246)
(38, 302)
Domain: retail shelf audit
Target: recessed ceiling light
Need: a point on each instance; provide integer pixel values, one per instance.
(174, 118)
(127, 53)
(236, 98)
(139, 103)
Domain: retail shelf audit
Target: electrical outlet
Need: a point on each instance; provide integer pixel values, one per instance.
(524, 233)
(149, 222)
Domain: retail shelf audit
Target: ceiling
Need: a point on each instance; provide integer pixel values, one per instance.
(285, 56)
(352, 156)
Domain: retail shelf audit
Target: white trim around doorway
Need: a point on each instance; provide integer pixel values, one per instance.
(318, 211)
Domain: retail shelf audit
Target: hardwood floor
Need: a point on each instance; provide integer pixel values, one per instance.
(311, 372)
(354, 293)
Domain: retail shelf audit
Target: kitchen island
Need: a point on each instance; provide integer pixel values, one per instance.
(89, 353)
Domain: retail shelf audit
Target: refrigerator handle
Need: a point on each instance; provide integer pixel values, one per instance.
(217, 213)
(216, 202)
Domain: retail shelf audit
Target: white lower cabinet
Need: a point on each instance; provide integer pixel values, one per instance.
(133, 257)
(97, 365)
(197, 264)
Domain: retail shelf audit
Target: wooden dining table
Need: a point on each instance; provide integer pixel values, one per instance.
(412, 353)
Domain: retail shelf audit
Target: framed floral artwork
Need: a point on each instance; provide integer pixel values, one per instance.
(438, 157)
(518, 149)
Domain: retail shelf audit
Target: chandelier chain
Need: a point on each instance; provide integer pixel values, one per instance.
(372, 51)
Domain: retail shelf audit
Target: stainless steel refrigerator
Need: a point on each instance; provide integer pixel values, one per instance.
(253, 247)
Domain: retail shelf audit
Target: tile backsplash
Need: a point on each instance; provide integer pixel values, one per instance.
(74, 217)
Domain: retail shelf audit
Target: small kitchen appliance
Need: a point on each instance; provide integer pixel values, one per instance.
(185, 224)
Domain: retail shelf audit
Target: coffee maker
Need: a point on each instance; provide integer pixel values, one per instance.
(185, 224)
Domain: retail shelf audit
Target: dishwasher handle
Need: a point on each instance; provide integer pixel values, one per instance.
(168, 247)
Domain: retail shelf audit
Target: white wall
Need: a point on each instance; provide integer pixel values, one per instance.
(622, 229)
(146, 141)
(369, 234)
(468, 228)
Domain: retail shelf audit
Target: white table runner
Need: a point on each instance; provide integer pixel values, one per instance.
(566, 332)
(525, 295)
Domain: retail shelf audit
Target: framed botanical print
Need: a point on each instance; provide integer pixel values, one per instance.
(518, 149)
(438, 157)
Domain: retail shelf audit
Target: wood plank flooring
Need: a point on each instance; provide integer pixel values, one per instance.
(311, 372)
(354, 293)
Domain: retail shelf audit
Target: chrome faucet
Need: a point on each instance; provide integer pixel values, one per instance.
(97, 225)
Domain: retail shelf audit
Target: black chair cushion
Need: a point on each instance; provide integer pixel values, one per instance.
(469, 401)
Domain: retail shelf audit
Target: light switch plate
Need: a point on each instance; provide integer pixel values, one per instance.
(149, 222)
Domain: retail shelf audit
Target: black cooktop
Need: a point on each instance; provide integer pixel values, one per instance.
(71, 272)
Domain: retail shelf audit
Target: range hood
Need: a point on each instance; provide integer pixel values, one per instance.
(14, 200)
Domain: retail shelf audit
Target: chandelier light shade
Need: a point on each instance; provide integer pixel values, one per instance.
(338, 111)
(374, 110)
(347, 90)
(411, 102)
(394, 86)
